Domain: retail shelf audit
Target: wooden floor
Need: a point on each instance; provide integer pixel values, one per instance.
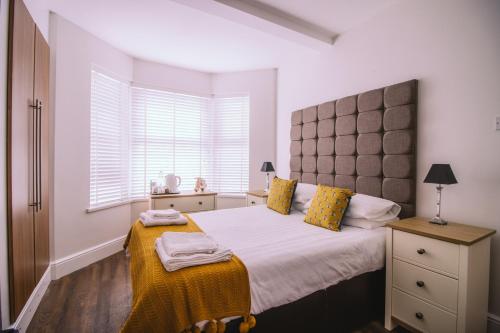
(97, 299)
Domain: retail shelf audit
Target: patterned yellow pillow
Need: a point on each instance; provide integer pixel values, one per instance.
(281, 194)
(328, 207)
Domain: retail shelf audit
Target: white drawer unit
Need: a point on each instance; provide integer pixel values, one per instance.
(427, 252)
(184, 202)
(432, 287)
(437, 276)
(258, 197)
(421, 315)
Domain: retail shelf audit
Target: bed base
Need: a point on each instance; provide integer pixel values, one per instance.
(344, 307)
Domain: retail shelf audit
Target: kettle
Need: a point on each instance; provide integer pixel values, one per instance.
(173, 182)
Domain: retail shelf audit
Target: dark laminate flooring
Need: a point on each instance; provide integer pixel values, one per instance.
(96, 298)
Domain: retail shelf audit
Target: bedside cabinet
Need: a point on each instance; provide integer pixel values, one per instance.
(258, 197)
(437, 276)
(188, 202)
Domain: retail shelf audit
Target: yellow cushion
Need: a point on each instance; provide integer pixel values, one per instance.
(281, 194)
(328, 207)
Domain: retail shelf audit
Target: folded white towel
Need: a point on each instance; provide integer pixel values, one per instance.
(172, 213)
(175, 263)
(187, 243)
(149, 221)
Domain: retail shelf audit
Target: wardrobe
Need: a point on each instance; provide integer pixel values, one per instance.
(27, 156)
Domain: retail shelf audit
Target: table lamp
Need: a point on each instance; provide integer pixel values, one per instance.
(440, 174)
(267, 167)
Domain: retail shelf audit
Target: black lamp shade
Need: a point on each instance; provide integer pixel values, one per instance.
(440, 174)
(267, 167)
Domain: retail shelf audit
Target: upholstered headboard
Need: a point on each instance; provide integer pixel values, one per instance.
(365, 142)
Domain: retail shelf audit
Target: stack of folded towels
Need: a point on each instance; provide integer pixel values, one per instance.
(162, 217)
(184, 249)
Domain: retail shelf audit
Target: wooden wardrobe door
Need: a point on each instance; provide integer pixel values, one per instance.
(42, 59)
(19, 156)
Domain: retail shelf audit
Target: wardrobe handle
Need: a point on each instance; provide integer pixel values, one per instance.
(40, 155)
(34, 170)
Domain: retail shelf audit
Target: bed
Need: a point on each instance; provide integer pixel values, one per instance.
(304, 278)
(288, 261)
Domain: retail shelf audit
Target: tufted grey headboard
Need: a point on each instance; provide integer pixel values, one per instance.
(365, 142)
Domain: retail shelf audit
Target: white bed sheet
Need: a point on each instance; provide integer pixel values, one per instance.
(288, 259)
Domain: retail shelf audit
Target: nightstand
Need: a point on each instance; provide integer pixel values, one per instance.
(257, 197)
(437, 276)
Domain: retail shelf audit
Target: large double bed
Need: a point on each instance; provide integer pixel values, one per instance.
(303, 278)
(288, 259)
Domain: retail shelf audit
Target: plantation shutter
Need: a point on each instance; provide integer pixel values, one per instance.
(108, 140)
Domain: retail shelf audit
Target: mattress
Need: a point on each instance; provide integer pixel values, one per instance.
(288, 259)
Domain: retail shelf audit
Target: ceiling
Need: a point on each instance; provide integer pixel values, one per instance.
(182, 33)
(333, 15)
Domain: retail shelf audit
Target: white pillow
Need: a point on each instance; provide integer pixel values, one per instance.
(364, 223)
(364, 206)
(303, 194)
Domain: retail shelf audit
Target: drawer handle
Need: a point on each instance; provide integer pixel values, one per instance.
(420, 284)
(200, 203)
(421, 251)
(171, 205)
(419, 315)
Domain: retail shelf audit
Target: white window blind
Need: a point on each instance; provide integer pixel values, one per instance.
(138, 133)
(230, 144)
(108, 140)
(189, 136)
(170, 133)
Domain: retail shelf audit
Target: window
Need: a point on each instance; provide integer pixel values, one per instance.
(230, 144)
(189, 136)
(108, 140)
(138, 134)
(170, 133)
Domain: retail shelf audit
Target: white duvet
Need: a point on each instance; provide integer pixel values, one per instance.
(287, 258)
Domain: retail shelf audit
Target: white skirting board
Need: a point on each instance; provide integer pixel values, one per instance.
(76, 261)
(31, 305)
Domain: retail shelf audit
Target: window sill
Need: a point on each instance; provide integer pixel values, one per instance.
(114, 205)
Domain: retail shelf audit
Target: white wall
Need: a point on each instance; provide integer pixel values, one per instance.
(453, 48)
(4, 277)
(74, 53)
(171, 78)
(261, 87)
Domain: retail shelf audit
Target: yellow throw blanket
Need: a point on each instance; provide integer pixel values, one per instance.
(172, 302)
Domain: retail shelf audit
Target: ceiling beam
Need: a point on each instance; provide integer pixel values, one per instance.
(268, 19)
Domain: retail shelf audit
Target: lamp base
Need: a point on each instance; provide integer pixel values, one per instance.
(438, 220)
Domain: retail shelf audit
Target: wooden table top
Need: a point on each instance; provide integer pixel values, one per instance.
(451, 232)
(258, 193)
